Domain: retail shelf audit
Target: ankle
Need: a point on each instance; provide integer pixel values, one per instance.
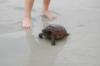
(45, 10)
(27, 17)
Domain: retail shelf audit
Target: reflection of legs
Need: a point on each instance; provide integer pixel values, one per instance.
(46, 9)
(27, 13)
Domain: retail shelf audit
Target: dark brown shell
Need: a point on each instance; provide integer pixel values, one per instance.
(56, 30)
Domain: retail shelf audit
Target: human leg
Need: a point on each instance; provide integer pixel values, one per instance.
(46, 4)
(27, 13)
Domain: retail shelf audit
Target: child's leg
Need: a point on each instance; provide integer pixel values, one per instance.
(27, 13)
(46, 9)
(46, 4)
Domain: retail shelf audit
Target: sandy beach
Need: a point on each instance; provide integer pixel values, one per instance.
(21, 47)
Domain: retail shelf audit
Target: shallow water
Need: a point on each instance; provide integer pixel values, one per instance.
(22, 47)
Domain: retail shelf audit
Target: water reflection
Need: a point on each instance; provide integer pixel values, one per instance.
(30, 38)
(44, 20)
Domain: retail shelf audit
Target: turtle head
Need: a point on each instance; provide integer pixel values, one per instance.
(46, 33)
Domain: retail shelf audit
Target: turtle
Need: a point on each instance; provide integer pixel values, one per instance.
(53, 32)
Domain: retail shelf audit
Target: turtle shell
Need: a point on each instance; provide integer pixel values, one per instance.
(55, 30)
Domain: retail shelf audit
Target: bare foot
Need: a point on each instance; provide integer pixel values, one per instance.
(49, 15)
(27, 22)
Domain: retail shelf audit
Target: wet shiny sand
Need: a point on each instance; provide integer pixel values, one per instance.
(22, 47)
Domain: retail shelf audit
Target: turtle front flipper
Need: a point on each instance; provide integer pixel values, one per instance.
(53, 42)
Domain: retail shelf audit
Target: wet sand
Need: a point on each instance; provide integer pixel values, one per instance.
(21, 47)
